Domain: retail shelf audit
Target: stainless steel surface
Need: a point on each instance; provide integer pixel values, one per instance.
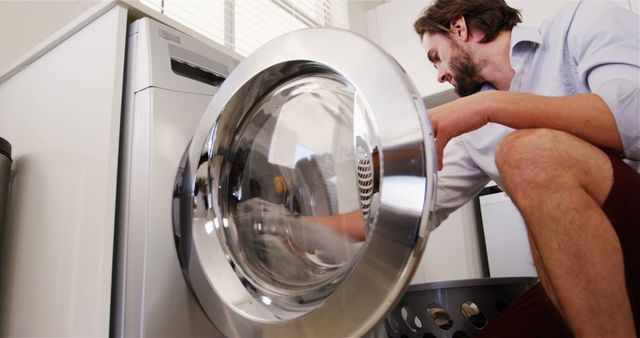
(5, 171)
(275, 235)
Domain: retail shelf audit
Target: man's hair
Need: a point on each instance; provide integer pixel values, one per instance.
(489, 16)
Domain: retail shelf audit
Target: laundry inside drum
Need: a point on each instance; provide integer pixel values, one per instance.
(301, 193)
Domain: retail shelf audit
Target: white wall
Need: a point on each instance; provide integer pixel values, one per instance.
(25, 24)
(391, 26)
(358, 14)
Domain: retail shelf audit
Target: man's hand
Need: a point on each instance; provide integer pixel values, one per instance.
(456, 118)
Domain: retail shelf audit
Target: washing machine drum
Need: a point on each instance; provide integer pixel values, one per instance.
(306, 189)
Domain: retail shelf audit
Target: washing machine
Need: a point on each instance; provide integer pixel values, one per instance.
(286, 194)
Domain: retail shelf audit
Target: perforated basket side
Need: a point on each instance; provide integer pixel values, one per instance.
(456, 309)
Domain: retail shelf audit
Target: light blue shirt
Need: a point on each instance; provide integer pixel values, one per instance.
(586, 47)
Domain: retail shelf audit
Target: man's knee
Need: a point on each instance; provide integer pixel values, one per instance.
(533, 159)
(527, 157)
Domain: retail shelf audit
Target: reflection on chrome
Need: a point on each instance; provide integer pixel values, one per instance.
(296, 201)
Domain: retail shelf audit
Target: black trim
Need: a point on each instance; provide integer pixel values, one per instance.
(464, 283)
(5, 148)
(196, 73)
(490, 190)
(482, 243)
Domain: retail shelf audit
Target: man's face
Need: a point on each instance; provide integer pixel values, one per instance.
(454, 63)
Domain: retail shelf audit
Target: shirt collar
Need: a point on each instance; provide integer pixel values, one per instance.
(524, 34)
(524, 40)
(520, 33)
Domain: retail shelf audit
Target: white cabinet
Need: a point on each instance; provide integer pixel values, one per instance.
(453, 251)
(505, 237)
(61, 113)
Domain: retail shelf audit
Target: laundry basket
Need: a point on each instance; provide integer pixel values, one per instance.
(453, 309)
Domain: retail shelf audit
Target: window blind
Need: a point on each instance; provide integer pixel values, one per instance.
(244, 25)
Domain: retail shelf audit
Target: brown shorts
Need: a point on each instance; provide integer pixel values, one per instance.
(623, 209)
(533, 314)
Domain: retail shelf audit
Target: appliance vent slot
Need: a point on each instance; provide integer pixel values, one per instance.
(368, 181)
(364, 170)
(196, 73)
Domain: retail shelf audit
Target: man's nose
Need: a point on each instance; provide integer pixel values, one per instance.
(442, 75)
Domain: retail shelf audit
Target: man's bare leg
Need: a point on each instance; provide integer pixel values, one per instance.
(559, 183)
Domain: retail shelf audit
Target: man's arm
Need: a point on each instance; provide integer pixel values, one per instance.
(585, 115)
(460, 181)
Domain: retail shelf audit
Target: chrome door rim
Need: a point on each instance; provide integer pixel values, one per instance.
(398, 238)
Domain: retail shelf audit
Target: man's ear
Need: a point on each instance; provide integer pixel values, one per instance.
(458, 27)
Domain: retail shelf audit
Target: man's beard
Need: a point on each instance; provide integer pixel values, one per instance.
(465, 72)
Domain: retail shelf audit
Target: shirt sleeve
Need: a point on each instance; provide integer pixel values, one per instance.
(608, 60)
(459, 181)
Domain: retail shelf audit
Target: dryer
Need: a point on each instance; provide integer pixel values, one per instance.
(269, 197)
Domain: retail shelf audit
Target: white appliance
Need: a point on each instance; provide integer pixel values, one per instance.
(505, 236)
(60, 108)
(297, 205)
(170, 79)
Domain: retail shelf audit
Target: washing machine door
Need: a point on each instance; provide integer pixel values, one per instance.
(307, 188)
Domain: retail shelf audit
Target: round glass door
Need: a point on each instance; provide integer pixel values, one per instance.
(306, 199)
(294, 198)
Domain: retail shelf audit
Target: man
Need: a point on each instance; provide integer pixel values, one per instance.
(563, 107)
